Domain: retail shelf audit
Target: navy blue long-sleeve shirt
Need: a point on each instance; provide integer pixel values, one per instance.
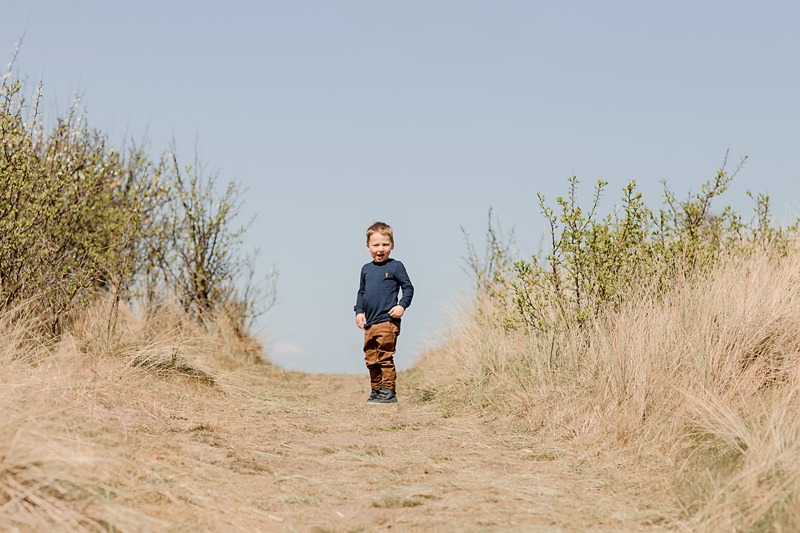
(379, 289)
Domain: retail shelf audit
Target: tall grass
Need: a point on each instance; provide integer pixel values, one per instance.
(87, 233)
(81, 415)
(688, 390)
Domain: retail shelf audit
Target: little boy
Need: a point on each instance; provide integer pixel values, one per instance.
(378, 310)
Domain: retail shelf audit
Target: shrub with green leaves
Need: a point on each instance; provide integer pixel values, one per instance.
(595, 262)
(79, 218)
(198, 253)
(69, 215)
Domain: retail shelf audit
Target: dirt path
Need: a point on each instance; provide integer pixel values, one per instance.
(307, 453)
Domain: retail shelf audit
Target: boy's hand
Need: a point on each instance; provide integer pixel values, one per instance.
(361, 319)
(396, 311)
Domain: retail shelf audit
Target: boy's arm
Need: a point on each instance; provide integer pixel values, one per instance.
(405, 285)
(408, 292)
(361, 318)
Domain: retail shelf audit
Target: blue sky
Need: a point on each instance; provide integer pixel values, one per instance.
(424, 115)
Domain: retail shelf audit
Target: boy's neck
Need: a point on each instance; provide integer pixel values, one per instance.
(375, 261)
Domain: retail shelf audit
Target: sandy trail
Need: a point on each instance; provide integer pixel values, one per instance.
(307, 453)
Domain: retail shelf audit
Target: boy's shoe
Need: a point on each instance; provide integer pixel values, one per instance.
(386, 396)
(374, 395)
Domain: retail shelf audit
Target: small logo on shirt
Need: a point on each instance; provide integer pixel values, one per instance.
(387, 274)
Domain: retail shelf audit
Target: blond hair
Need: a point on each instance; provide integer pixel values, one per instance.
(382, 228)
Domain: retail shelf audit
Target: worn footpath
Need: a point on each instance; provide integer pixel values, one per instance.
(307, 453)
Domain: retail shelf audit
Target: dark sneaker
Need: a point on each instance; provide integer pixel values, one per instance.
(387, 396)
(374, 395)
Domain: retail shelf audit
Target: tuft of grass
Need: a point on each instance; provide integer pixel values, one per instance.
(542, 456)
(393, 427)
(169, 363)
(395, 502)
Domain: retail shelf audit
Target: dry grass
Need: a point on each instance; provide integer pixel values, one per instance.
(676, 413)
(81, 417)
(165, 427)
(692, 398)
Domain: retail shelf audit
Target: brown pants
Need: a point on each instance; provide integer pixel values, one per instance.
(379, 347)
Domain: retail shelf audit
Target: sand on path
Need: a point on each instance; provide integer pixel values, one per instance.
(307, 453)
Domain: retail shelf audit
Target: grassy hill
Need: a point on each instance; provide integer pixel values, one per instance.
(641, 375)
(690, 397)
(675, 413)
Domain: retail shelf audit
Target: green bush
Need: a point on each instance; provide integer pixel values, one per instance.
(68, 215)
(198, 254)
(594, 263)
(79, 219)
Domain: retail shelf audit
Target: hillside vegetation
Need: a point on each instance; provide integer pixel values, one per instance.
(88, 233)
(661, 347)
(85, 441)
(80, 219)
(642, 374)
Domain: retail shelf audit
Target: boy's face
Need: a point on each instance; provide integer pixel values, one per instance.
(379, 246)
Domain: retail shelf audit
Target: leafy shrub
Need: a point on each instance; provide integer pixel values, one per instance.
(594, 263)
(69, 212)
(198, 253)
(78, 218)
(662, 344)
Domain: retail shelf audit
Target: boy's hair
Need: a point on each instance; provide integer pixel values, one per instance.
(382, 228)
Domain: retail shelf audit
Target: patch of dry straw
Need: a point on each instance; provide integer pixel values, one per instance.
(690, 398)
(82, 418)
